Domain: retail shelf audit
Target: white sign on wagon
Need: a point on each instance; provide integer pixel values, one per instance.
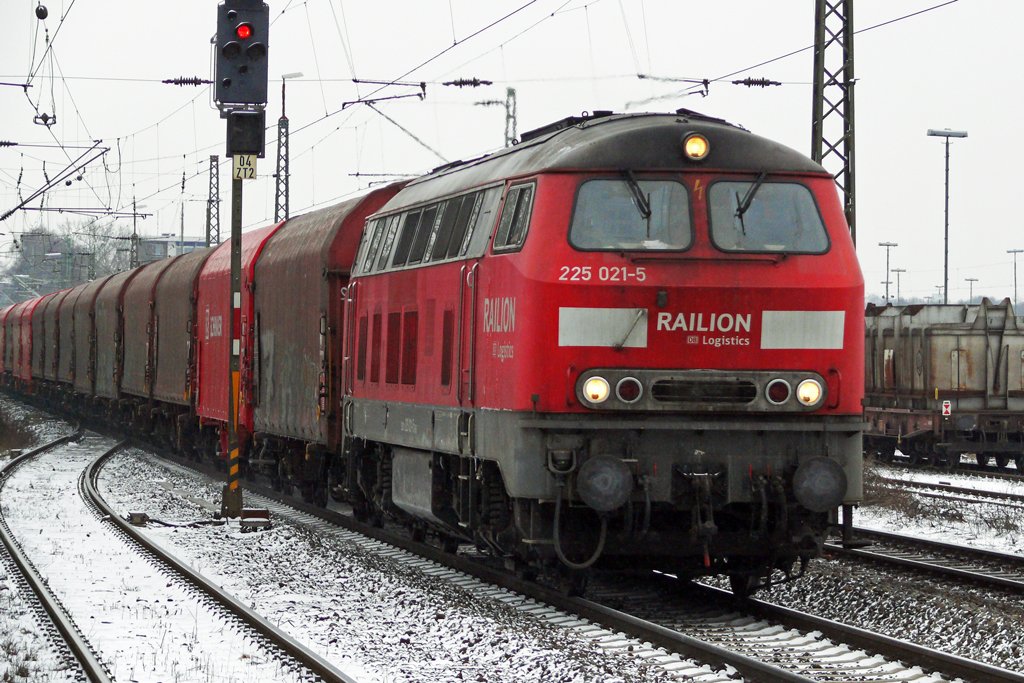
(947, 408)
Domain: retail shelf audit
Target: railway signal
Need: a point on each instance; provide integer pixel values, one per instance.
(243, 27)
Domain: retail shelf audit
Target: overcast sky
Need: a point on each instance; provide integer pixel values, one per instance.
(957, 66)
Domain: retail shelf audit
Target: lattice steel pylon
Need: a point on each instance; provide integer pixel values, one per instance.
(832, 119)
(281, 186)
(213, 203)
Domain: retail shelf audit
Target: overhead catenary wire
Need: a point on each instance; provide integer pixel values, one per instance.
(561, 8)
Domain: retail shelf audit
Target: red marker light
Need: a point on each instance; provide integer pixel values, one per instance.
(243, 31)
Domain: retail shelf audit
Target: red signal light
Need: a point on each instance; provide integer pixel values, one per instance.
(243, 31)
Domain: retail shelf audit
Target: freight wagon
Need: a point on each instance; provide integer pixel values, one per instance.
(942, 380)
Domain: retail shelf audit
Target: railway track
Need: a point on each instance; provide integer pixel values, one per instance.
(961, 492)
(982, 567)
(279, 651)
(759, 640)
(72, 647)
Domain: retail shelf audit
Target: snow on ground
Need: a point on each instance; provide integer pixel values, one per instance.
(25, 654)
(144, 624)
(378, 619)
(985, 524)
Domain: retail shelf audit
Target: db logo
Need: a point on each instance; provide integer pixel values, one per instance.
(692, 339)
(947, 408)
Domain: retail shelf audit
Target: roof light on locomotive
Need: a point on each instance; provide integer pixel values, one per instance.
(696, 147)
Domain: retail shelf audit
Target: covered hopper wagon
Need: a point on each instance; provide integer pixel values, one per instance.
(943, 380)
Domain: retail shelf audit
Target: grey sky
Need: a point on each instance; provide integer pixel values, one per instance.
(957, 66)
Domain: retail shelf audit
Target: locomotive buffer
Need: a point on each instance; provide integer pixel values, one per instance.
(240, 90)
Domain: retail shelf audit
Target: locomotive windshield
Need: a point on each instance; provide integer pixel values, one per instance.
(765, 217)
(630, 214)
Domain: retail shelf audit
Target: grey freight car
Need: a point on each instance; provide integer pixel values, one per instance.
(941, 380)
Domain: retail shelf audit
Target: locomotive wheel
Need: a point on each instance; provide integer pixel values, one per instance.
(742, 585)
(361, 509)
(920, 457)
(572, 582)
(1002, 461)
(982, 459)
(320, 494)
(449, 544)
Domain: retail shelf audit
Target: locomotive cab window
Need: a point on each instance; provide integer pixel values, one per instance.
(764, 216)
(515, 217)
(371, 243)
(617, 214)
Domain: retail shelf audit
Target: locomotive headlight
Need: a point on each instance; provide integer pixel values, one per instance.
(809, 392)
(696, 147)
(629, 390)
(596, 389)
(777, 391)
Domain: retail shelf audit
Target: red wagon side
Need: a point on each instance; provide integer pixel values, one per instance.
(66, 350)
(213, 306)
(110, 334)
(139, 315)
(300, 278)
(39, 348)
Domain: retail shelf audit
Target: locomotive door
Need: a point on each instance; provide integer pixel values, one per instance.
(466, 345)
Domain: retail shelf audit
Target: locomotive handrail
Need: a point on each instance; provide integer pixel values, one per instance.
(471, 282)
(462, 321)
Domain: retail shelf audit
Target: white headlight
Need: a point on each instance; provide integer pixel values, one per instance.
(596, 390)
(809, 392)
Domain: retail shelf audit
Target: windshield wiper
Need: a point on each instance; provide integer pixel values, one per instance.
(743, 204)
(641, 201)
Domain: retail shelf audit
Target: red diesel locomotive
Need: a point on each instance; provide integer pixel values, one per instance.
(633, 339)
(629, 340)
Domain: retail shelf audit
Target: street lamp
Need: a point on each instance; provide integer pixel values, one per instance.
(946, 133)
(281, 189)
(888, 246)
(971, 280)
(1014, 252)
(898, 271)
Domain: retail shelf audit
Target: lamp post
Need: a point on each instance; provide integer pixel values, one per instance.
(898, 271)
(888, 246)
(946, 133)
(971, 281)
(1014, 252)
(281, 189)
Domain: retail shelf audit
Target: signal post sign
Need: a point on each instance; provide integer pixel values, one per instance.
(244, 167)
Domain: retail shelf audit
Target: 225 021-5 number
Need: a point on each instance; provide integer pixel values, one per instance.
(602, 274)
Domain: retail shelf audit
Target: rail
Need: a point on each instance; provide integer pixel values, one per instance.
(94, 669)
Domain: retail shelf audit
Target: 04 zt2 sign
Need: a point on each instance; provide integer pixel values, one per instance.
(244, 167)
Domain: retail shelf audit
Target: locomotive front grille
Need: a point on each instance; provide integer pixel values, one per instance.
(722, 392)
